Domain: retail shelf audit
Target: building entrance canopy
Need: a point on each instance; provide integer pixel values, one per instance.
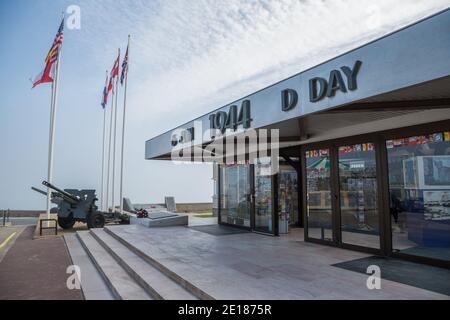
(399, 80)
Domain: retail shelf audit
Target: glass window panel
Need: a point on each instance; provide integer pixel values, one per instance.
(263, 196)
(287, 198)
(358, 195)
(318, 192)
(419, 185)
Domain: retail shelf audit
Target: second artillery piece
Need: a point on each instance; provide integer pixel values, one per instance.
(79, 205)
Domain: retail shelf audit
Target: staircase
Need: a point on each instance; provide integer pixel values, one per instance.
(112, 268)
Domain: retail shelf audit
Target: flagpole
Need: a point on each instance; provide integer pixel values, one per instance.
(50, 149)
(109, 149)
(115, 130)
(102, 203)
(123, 125)
(52, 128)
(103, 162)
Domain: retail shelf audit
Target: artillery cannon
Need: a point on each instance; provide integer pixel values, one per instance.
(78, 205)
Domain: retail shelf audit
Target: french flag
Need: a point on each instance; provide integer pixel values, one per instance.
(105, 94)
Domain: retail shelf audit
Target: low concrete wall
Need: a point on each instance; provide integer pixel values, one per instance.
(194, 207)
(181, 207)
(48, 232)
(23, 213)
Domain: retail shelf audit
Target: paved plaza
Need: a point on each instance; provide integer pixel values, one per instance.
(254, 266)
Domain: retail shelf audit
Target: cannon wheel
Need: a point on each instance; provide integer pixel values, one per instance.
(66, 222)
(95, 220)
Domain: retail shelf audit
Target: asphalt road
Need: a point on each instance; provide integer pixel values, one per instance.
(25, 221)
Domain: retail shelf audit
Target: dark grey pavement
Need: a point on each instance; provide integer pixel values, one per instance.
(36, 269)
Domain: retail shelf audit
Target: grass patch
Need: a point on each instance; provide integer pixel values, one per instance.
(203, 214)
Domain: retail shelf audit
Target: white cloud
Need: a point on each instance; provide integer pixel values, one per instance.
(193, 56)
(189, 57)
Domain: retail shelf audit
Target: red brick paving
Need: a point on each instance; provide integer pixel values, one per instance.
(36, 269)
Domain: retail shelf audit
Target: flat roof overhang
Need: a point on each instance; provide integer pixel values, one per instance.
(404, 80)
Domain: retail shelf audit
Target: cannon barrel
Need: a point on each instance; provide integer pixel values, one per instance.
(39, 191)
(62, 192)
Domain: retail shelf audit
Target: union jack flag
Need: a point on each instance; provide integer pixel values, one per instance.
(124, 67)
(48, 73)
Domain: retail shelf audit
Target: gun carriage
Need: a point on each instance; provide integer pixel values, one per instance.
(79, 205)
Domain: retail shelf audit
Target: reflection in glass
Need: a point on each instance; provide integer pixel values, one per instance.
(419, 185)
(235, 195)
(263, 196)
(358, 195)
(287, 198)
(318, 192)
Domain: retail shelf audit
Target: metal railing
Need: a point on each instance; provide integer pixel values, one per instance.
(45, 228)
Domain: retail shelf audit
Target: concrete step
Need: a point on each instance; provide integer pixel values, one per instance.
(118, 280)
(153, 281)
(93, 285)
(188, 286)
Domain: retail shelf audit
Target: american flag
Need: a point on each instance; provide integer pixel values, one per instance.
(54, 50)
(124, 67)
(48, 74)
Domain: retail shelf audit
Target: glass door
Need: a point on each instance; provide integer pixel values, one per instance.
(319, 208)
(359, 216)
(235, 199)
(264, 211)
(419, 194)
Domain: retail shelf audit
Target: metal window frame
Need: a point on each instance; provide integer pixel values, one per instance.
(379, 139)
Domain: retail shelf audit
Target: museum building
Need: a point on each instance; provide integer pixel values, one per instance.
(363, 159)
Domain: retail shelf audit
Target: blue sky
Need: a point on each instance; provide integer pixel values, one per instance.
(187, 58)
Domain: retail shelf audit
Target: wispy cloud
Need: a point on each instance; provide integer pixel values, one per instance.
(193, 56)
(187, 58)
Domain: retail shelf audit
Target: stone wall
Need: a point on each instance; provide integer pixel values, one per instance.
(194, 207)
(23, 213)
